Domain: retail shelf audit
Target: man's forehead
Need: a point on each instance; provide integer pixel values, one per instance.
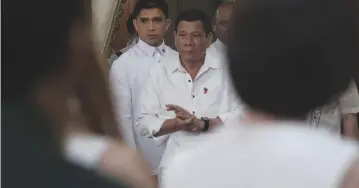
(190, 25)
(150, 13)
(224, 10)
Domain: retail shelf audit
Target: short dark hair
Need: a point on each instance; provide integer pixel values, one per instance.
(288, 57)
(150, 4)
(130, 27)
(191, 15)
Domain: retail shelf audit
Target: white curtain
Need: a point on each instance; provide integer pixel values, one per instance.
(106, 15)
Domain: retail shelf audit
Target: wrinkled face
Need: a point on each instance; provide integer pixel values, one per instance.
(221, 23)
(151, 25)
(191, 40)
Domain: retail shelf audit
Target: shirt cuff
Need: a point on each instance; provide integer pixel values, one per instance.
(350, 110)
(230, 116)
(223, 117)
(153, 128)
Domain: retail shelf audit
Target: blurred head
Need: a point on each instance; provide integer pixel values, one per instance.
(57, 62)
(221, 20)
(151, 21)
(288, 57)
(193, 34)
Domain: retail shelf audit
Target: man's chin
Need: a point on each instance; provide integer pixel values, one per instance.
(187, 57)
(154, 42)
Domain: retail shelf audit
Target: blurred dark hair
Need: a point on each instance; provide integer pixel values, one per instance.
(289, 57)
(150, 4)
(191, 15)
(29, 47)
(36, 46)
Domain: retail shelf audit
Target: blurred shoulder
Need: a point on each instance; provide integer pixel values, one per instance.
(126, 60)
(121, 161)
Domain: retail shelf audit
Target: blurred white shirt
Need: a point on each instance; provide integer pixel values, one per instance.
(128, 75)
(329, 116)
(217, 48)
(272, 155)
(208, 95)
(85, 150)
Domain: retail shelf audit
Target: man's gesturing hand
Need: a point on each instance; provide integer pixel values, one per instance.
(189, 122)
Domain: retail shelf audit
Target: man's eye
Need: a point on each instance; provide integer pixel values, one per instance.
(158, 20)
(144, 21)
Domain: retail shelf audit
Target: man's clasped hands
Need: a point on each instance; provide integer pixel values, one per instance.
(185, 120)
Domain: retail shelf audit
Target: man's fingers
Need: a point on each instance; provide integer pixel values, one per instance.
(182, 116)
(176, 108)
(189, 120)
(170, 107)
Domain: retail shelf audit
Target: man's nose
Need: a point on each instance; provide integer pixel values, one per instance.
(151, 26)
(188, 41)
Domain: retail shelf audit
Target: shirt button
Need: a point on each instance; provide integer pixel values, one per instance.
(193, 96)
(189, 80)
(193, 112)
(158, 61)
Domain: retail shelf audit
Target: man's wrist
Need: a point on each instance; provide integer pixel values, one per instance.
(200, 124)
(176, 125)
(206, 124)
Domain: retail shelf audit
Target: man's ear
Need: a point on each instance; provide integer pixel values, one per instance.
(135, 24)
(175, 37)
(168, 24)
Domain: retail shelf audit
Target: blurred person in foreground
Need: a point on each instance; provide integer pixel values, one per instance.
(56, 107)
(340, 115)
(278, 53)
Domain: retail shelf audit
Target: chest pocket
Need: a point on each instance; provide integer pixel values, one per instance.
(210, 96)
(210, 90)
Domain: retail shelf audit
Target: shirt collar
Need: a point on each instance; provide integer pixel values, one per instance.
(210, 62)
(219, 45)
(150, 50)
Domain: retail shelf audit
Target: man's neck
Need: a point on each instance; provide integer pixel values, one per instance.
(192, 64)
(153, 45)
(192, 67)
(220, 43)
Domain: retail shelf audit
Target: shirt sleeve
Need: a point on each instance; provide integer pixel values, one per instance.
(231, 106)
(349, 101)
(149, 122)
(122, 99)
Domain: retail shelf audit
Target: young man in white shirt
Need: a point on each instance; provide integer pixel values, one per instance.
(286, 58)
(188, 94)
(130, 70)
(220, 28)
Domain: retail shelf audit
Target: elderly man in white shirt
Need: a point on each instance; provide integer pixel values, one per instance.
(220, 27)
(130, 70)
(186, 95)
